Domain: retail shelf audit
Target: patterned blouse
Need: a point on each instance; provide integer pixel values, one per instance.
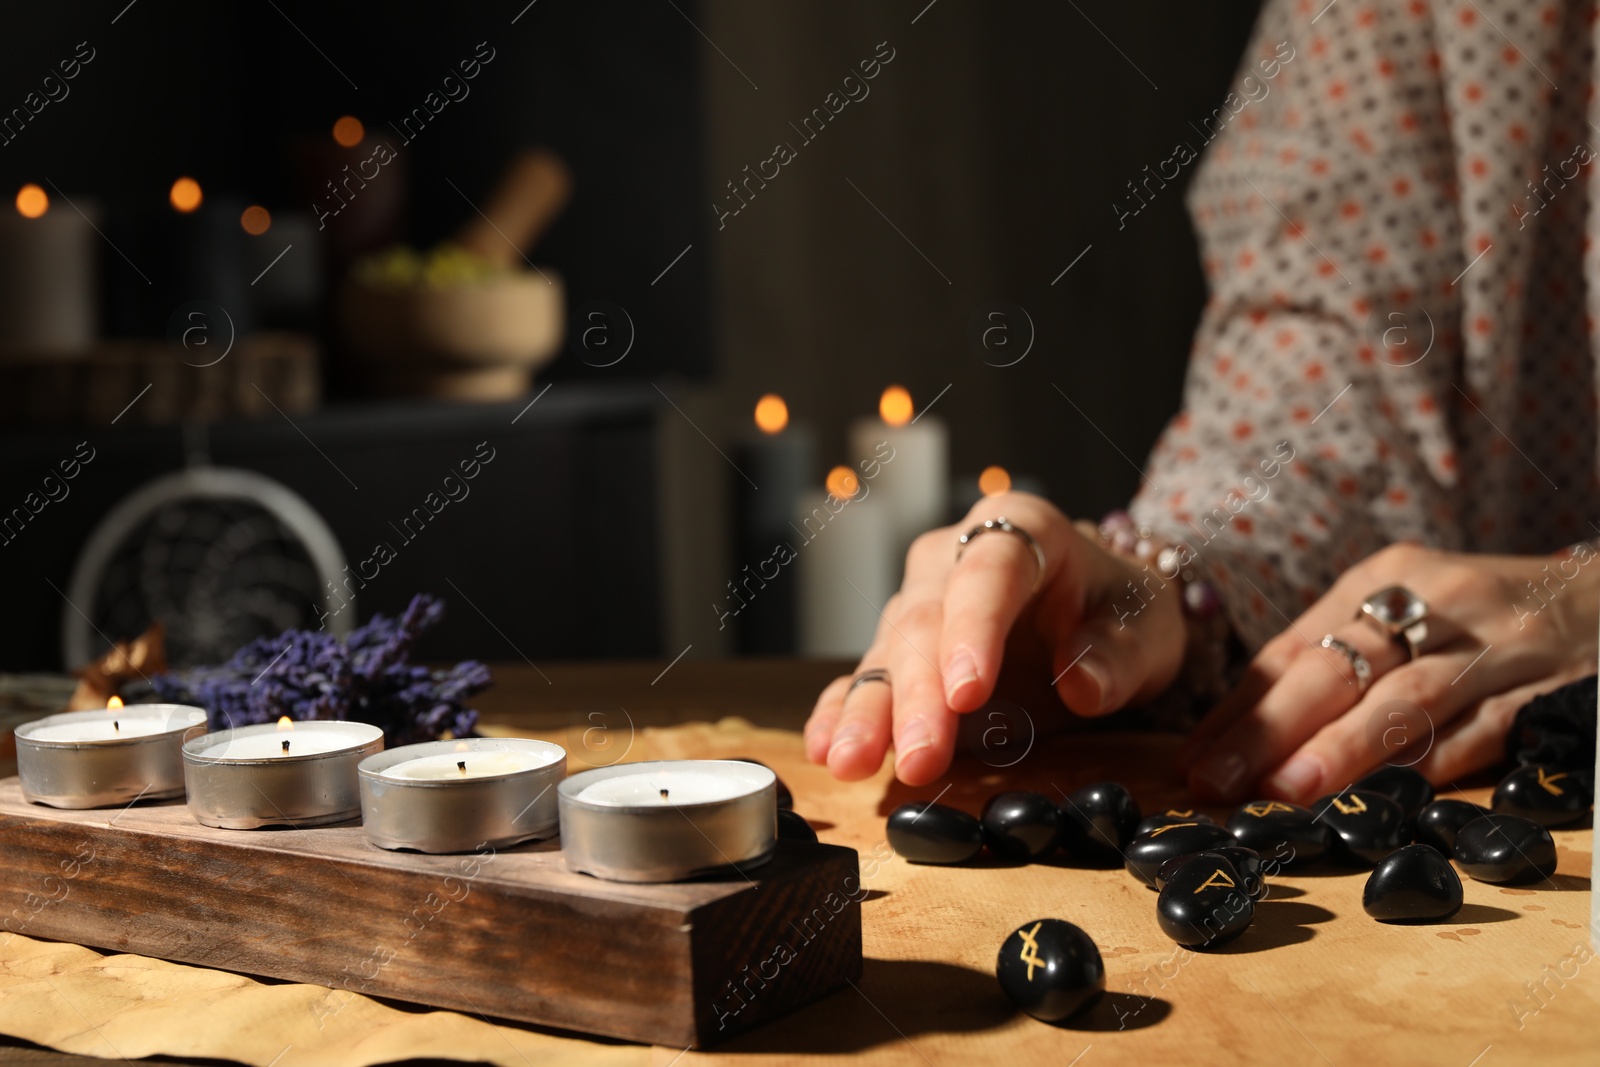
(1400, 341)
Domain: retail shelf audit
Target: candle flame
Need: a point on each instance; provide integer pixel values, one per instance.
(843, 483)
(994, 480)
(32, 201)
(185, 195)
(256, 220)
(285, 723)
(348, 131)
(772, 414)
(895, 405)
(114, 703)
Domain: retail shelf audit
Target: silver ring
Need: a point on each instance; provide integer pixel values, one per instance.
(876, 674)
(1400, 615)
(1358, 663)
(1004, 525)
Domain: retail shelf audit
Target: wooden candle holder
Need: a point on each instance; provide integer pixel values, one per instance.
(510, 934)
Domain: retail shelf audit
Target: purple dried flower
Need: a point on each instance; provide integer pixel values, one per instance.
(310, 674)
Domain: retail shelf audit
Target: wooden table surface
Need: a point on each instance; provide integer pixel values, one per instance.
(1314, 980)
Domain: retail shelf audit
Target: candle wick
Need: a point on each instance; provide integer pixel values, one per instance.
(286, 746)
(663, 794)
(461, 765)
(117, 726)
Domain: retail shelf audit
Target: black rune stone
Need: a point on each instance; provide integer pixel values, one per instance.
(1402, 785)
(1204, 903)
(1542, 795)
(1098, 821)
(921, 832)
(1285, 834)
(1050, 969)
(1146, 853)
(1412, 884)
(1506, 849)
(1020, 826)
(1442, 820)
(1366, 826)
(1167, 818)
(1245, 862)
(792, 826)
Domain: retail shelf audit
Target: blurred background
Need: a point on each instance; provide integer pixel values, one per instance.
(632, 328)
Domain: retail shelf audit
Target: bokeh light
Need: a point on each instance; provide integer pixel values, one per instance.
(994, 480)
(186, 195)
(843, 483)
(256, 220)
(32, 201)
(895, 406)
(772, 414)
(348, 131)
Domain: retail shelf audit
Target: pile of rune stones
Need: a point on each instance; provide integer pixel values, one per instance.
(1209, 877)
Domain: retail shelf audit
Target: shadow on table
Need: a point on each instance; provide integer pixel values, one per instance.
(1119, 1011)
(895, 1000)
(1277, 923)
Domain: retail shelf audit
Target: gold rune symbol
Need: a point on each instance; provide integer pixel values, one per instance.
(1549, 783)
(1259, 810)
(1356, 805)
(1213, 881)
(1181, 814)
(1158, 831)
(1030, 948)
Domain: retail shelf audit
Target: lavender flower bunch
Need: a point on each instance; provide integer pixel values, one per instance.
(311, 674)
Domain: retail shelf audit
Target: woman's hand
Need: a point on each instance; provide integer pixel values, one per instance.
(1299, 724)
(944, 636)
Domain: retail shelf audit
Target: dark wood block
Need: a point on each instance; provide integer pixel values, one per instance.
(510, 934)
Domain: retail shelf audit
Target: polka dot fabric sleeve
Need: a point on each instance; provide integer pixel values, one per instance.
(1397, 345)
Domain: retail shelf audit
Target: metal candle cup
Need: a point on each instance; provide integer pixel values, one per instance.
(632, 829)
(412, 797)
(104, 758)
(241, 779)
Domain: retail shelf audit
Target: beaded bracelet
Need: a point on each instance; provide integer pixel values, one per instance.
(1205, 672)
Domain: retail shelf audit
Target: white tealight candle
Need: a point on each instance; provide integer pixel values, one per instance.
(458, 796)
(668, 820)
(109, 726)
(91, 759)
(289, 774)
(664, 787)
(454, 766)
(304, 739)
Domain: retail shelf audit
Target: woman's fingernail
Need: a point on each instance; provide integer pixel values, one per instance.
(1224, 773)
(914, 737)
(1298, 779)
(846, 737)
(1098, 673)
(959, 673)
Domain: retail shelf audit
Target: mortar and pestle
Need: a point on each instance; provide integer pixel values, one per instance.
(470, 320)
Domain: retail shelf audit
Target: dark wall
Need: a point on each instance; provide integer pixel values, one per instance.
(222, 91)
(996, 142)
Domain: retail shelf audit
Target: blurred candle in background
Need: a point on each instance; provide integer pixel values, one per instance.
(283, 256)
(192, 249)
(992, 481)
(913, 486)
(47, 275)
(847, 564)
(779, 456)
